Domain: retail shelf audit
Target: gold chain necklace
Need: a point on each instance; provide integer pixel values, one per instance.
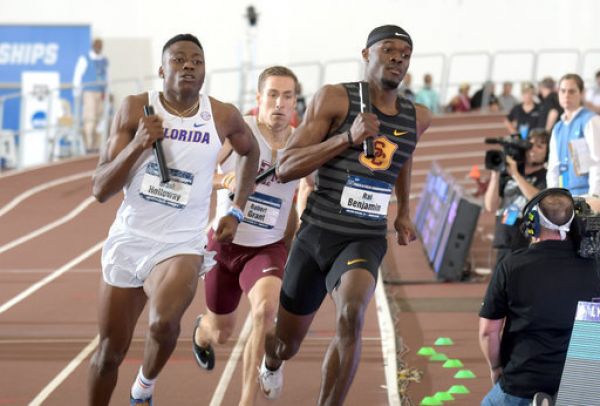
(183, 113)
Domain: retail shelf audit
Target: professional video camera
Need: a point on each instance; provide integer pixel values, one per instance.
(587, 230)
(512, 145)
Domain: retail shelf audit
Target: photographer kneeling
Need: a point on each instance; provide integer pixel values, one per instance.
(527, 315)
(511, 186)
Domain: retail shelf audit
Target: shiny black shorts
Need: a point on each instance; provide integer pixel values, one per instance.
(317, 261)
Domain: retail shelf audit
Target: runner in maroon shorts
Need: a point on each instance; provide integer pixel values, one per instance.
(254, 262)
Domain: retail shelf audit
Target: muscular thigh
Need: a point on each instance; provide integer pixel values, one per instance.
(118, 312)
(172, 284)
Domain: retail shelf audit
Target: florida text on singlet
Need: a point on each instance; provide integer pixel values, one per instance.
(268, 208)
(177, 210)
(352, 192)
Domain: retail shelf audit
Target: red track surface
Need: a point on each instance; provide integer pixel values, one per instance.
(45, 331)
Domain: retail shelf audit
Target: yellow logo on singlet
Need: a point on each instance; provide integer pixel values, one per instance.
(384, 154)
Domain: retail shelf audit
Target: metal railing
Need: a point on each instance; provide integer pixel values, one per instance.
(447, 70)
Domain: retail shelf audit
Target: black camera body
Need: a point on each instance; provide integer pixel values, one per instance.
(587, 233)
(513, 146)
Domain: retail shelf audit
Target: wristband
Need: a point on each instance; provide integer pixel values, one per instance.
(350, 140)
(236, 213)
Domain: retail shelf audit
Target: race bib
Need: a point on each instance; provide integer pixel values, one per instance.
(262, 210)
(366, 198)
(175, 193)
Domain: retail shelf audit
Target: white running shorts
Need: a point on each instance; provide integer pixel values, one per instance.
(128, 259)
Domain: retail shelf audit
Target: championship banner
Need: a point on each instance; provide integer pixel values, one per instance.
(38, 48)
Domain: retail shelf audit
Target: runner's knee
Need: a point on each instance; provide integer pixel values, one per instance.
(263, 314)
(287, 349)
(109, 356)
(164, 330)
(350, 320)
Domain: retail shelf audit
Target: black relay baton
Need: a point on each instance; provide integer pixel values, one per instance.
(259, 178)
(365, 107)
(158, 151)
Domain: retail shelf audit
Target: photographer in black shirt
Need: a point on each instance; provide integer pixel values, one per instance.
(509, 190)
(527, 315)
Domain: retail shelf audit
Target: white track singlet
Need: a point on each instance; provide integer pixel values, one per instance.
(178, 210)
(268, 208)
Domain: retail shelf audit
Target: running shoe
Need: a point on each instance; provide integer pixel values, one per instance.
(271, 382)
(140, 402)
(205, 356)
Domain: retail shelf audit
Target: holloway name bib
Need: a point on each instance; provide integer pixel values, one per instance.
(175, 193)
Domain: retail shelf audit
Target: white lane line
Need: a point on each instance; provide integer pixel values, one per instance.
(17, 172)
(236, 353)
(41, 187)
(33, 288)
(64, 374)
(388, 343)
(36, 233)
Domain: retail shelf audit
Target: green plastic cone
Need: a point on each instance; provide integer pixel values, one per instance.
(426, 351)
(464, 374)
(440, 357)
(444, 341)
(453, 363)
(459, 390)
(430, 401)
(443, 396)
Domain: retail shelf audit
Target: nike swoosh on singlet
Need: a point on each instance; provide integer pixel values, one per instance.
(273, 268)
(198, 125)
(356, 261)
(399, 133)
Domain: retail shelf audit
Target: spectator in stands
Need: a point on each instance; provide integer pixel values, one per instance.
(592, 96)
(485, 98)
(526, 318)
(508, 191)
(506, 100)
(300, 106)
(405, 90)
(523, 117)
(89, 84)
(550, 109)
(427, 96)
(574, 161)
(461, 102)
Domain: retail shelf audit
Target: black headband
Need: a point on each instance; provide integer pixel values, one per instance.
(387, 32)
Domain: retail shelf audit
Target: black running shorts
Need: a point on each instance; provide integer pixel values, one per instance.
(317, 261)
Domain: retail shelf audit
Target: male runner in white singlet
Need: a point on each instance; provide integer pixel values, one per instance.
(156, 246)
(254, 262)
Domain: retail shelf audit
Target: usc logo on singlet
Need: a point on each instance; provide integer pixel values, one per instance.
(384, 153)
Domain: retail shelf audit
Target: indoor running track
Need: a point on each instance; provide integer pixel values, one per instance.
(51, 232)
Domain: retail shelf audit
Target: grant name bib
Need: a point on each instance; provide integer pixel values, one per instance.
(366, 198)
(175, 193)
(262, 210)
